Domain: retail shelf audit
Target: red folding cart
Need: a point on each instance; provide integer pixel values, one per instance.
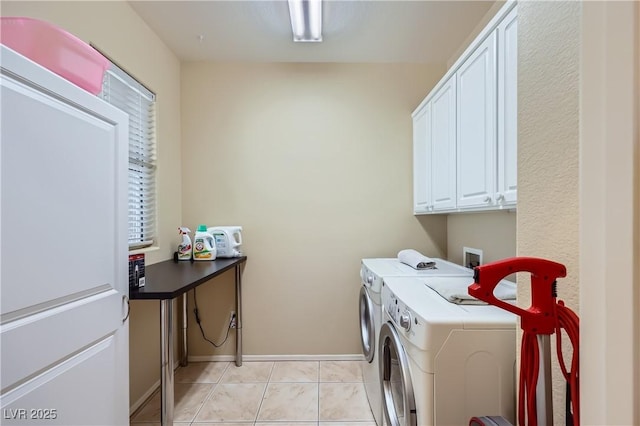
(544, 317)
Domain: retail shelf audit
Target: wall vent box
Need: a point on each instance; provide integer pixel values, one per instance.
(136, 271)
(472, 257)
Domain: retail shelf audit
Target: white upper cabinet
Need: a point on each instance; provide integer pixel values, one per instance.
(465, 131)
(421, 159)
(476, 140)
(443, 147)
(507, 185)
(434, 151)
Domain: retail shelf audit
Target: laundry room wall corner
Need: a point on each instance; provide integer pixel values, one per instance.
(435, 229)
(314, 160)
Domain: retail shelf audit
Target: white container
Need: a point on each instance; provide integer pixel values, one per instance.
(204, 247)
(228, 240)
(185, 249)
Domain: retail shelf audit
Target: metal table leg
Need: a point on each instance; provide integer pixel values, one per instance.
(184, 353)
(239, 316)
(166, 363)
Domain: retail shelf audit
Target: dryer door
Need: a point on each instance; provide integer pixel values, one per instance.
(367, 327)
(398, 400)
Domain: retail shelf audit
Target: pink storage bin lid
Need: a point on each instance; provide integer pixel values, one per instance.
(55, 49)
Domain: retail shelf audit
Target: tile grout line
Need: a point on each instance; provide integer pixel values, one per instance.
(215, 385)
(318, 393)
(209, 394)
(319, 381)
(264, 392)
(318, 387)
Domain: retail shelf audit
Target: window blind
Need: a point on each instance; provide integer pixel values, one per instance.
(124, 92)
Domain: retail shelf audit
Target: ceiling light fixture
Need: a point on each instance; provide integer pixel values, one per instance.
(306, 20)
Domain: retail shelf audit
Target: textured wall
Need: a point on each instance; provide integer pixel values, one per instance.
(315, 162)
(548, 138)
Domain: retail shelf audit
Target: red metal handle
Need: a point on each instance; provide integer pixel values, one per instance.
(539, 318)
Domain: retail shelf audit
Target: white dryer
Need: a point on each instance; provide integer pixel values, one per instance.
(442, 363)
(373, 272)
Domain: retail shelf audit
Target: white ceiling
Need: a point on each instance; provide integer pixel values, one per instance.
(353, 31)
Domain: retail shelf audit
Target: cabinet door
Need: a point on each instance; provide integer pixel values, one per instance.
(421, 160)
(443, 147)
(64, 264)
(476, 126)
(507, 187)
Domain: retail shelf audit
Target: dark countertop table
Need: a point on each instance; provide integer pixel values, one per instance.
(165, 281)
(170, 279)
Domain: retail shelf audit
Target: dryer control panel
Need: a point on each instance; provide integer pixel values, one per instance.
(400, 314)
(419, 314)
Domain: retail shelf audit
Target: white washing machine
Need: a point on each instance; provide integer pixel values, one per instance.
(442, 363)
(372, 273)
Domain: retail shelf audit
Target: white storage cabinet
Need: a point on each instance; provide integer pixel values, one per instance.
(507, 184)
(476, 113)
(465, 131)
(434, 130)
(422, 200)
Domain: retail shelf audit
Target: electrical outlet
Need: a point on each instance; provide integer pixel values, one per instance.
(233, 323)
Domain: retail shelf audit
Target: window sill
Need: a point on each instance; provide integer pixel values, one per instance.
(144, 250)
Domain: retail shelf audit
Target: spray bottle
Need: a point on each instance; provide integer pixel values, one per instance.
(184, 248)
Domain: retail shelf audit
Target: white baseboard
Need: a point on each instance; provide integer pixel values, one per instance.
(249, 358)
(145, 396)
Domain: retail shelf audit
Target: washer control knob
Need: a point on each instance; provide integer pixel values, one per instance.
(370, 279)
(405, 320)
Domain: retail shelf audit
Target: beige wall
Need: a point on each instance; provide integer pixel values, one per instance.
(492, 232)
(548, 139)
(118, 31)
(315, 162)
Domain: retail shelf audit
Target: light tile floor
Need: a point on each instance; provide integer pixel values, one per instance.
(282, 393)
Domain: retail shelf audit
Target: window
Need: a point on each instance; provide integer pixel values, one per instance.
(124, 92)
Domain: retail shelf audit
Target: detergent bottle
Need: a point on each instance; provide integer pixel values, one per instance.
(185, 249)
(228, 240)
(204, 247)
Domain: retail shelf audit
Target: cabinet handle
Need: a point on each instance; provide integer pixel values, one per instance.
(487, 199)
(500, 198)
